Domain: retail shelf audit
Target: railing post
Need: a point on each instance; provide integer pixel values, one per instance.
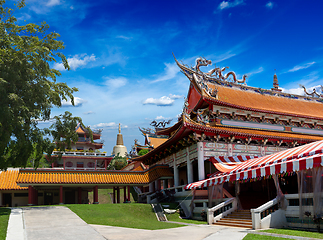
(210, 216)
(256, 220)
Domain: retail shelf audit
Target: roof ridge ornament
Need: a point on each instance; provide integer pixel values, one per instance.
(314, 93)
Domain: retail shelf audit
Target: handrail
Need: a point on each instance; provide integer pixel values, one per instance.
(226, 209)
(220, 205)
(265, 206)
(256, 214)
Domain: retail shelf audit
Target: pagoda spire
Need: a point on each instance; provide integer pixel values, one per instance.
(275, 84)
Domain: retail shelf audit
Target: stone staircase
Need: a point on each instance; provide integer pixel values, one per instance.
(239, 218)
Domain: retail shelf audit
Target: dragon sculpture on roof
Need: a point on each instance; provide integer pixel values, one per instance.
(217, 72)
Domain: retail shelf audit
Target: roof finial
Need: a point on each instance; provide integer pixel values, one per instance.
(119, 128)
(275, 84)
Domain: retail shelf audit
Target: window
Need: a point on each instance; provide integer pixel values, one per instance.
(80, 165)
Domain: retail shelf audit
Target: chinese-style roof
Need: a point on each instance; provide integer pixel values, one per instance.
(254, 133)
(248, 100)
(8, 180)
(27, 177)
(155, 142)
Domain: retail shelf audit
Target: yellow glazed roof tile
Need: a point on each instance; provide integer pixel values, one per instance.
(69, 177)
(8, 180)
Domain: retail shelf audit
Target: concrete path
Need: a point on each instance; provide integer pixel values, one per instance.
(196, 232)
(51, 223)
(15, 229)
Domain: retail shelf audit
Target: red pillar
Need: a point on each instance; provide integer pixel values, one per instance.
(64, 163)
(128, 193)
(124, 194)
(118, 195)
(95, 164)
(79, 195)
(158, 185)
(95, 195)
(61, 195)
(30, 195)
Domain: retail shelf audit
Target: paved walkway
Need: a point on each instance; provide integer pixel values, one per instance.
(51, 223)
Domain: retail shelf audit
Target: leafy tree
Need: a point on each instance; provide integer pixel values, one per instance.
(117, 163)
(28, 86)
(143, 152)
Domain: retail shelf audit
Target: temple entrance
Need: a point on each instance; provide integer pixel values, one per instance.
(257, 193)
(48, 198)
(7, 199)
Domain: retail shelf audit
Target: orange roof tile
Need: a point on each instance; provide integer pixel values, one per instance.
(111, 177)
(265, 102)
(8, 180)
(254, 132)
(155, 142)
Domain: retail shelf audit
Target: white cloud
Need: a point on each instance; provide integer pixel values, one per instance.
(111, 125)
(51, 3)
(228, 4)
(77, 102)
(89, 112)
(270, 5)
(170, 72)
(124, 37)
(162, 101)
(114, 83)
(76, 61)
(259, 70)
(299, 67)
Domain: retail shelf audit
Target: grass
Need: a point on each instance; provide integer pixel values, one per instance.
(298, 233)
(251, 236)
(4, 218)
(130, 215)
(175, 217)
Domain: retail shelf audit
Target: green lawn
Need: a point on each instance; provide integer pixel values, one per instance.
(251, 236)
(298, 233)
(131, 215)
(175, 216)
(4, 218)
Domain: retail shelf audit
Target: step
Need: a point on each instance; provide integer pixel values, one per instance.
(242, 225)
(235, 216)
(235, 220)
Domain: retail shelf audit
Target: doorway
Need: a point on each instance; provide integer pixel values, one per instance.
(7, 199)
(48, 198)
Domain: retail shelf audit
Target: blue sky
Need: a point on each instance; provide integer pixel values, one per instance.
(120, 52)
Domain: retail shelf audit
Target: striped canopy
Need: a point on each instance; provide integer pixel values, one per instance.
(227, 164)
(290, 160)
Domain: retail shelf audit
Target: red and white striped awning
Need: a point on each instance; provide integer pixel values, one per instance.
(227, 164)
(291, 160)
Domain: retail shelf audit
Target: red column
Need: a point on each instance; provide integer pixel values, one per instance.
(118, 195)
(95, 195)
(64, 163)
(95, 164)
(128, 193)
(124, 194)
(158, 184)
(79, 195)
(61, 194)
(52, 164)
(30, 195)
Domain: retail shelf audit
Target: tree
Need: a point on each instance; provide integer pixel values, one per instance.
(117, 163)
(143, 152)
(28, 86)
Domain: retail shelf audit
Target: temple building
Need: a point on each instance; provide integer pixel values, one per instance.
(226, 123)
